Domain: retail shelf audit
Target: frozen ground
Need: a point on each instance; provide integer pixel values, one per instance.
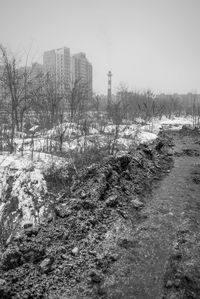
(26, 172)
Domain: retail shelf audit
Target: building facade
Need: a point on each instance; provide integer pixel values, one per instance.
(82, 71)
(58, 63)
(68, 69)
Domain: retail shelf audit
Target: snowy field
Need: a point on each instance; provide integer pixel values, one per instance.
(22, 173)
(35, 149)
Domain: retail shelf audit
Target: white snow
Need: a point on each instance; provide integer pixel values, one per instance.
(145, 137)
(29, 187)
(34, 128)
(172, 123)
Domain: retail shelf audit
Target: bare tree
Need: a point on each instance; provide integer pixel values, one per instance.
(16, 84)
(47, 100)
(76, 97)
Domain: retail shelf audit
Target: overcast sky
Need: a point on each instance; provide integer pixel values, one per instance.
(145, 43)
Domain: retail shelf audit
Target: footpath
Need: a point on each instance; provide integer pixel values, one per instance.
(162, 256)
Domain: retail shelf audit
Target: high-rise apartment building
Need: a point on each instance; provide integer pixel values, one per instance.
(58, 63)
(82, 70)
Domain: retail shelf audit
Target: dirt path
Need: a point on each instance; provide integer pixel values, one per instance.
(147, 253)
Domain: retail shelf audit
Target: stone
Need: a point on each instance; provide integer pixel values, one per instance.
(2, 282)
(177, 282)
(137, 203)
(32, 231)
(62, 211)
(46, 264)
(64, 256)
(88, 204)
(112, 201)
(75, 251)
(95, 277)
(28, 225)
(169, 284)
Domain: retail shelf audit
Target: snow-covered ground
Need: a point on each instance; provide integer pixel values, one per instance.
(174, 123)
(73, 138)
(38, 159)
(23, 175)
(22, 195)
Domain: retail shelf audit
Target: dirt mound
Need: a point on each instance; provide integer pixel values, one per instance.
(65, 257)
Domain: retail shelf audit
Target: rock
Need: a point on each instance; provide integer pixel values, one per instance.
(2, 282)
(67, 269)
(75, 251)
(88, 204)
(137, 203)
(62, 211)
(46, 264)
(95, 277)
(62, 249)
(32, 231)
(64, 256)
(11, 259)
(19, 237)
(83, 194)
(112, 201)
(177, 282)
(169, 284)
(49, 218)
(92, 252)
(28, 225)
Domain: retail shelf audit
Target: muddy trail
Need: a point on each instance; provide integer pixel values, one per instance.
(161, 258)
(129, 229)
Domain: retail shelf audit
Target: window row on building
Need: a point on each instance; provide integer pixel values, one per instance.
(68, 69)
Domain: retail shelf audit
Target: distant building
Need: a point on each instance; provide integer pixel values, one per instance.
(57, 63)
(36, 70)
(82, 70)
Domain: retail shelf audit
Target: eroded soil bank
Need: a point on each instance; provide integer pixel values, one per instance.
(129, 229)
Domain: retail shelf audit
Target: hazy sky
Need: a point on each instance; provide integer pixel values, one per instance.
(145, 43)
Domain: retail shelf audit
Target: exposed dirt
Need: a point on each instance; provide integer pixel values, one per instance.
(130, 230)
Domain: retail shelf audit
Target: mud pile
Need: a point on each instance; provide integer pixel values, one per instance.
(66, 256)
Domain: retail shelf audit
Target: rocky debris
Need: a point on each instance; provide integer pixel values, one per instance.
(191, 152)
(137, 203)
(46, 264)
(95, 276)
(112, 201)
(2, 282)
(32, 231)
(66, 257)
(195, 175)
(75, 251)
(28, 225)
(62, 210)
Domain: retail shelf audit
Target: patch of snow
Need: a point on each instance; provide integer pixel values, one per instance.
(93, 131)
(34, 128)
(29, 187)
(172, 123)
(146, 137)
